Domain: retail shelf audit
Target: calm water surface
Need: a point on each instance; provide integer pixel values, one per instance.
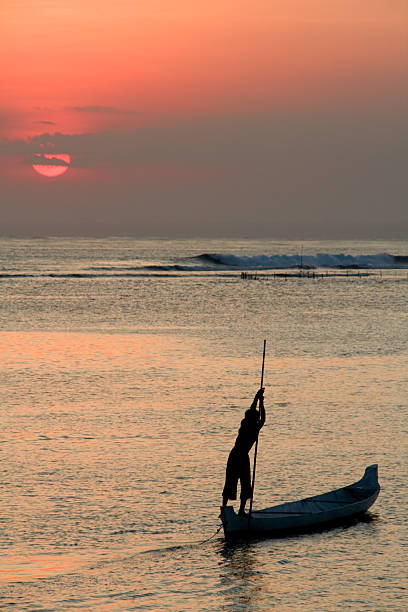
(125, 369)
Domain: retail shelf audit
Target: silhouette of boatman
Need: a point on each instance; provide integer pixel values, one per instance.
(238, 464)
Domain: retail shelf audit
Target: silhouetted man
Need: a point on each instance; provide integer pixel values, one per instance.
(238, 465)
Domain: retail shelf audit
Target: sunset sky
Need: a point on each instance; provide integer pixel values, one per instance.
(227, 118)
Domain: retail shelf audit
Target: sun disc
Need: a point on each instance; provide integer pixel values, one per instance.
(49, 169)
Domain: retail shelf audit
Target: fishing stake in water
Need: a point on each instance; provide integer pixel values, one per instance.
(256, 443)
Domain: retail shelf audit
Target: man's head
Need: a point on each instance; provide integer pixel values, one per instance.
(251, 414)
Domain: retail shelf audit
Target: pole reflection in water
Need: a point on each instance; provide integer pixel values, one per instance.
(241, 576)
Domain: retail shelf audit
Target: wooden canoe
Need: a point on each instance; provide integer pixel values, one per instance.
(306, 514)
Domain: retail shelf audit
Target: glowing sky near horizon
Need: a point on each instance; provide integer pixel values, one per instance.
(80, 67)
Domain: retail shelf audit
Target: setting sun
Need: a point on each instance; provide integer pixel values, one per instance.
(52, 164)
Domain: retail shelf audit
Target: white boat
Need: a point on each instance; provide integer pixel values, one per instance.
(306, 514)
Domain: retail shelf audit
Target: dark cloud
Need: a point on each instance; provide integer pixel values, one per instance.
(40, 159)
(46, 122)
(107, 110)
(40, 144)
(278, 145)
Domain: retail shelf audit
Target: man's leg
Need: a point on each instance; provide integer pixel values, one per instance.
(231, 480)
(246, 490)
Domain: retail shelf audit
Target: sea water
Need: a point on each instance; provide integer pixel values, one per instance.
(126, 366)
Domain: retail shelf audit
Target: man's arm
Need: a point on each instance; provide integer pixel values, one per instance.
(254, 404)
(262, 413)
(259, 397)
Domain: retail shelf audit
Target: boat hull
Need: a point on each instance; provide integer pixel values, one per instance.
(308, 514)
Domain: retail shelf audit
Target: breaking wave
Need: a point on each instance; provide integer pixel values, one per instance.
(320, 260)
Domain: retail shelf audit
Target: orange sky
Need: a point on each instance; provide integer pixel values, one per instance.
(171, 57)
(296, 108)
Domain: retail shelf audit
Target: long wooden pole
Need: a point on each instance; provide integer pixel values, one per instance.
(256, 443)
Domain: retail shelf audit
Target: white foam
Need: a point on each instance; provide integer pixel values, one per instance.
(229, 261)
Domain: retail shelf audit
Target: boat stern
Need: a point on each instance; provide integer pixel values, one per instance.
(232, 522)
